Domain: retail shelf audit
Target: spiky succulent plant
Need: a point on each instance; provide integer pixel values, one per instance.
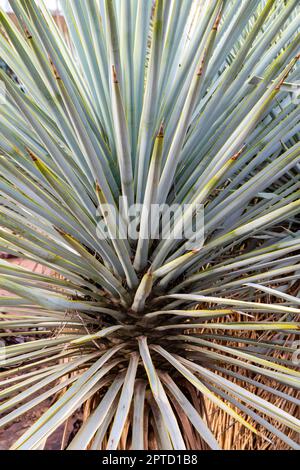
(167, 102)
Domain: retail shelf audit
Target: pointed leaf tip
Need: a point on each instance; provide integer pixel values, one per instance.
(238, 153)
(161, 131)
(31, 154)
(60, 231)
(114, 72)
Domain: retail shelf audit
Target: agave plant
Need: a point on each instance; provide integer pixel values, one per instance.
(167, 102)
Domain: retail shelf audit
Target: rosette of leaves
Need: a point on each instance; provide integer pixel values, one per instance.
(176, 102)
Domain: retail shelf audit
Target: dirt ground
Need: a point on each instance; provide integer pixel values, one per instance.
(10, 433)
(235, 437)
